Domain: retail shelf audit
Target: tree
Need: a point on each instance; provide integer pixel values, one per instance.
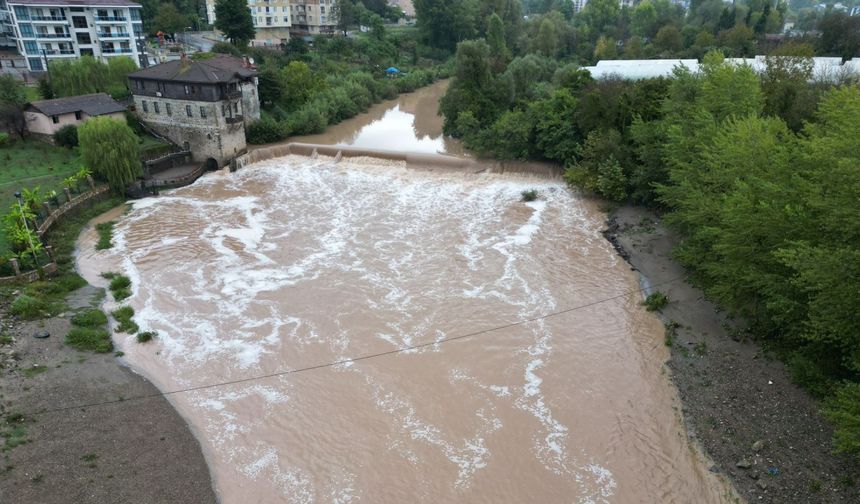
(606, 49)
(668, 39)
(110, 148)
(234, 19)
(444, 23)
(344, 13)
(225, 48)
(496, 40)
(88, 75)
(12, 101)
(298, 83)
(547, 42)
(169, 19)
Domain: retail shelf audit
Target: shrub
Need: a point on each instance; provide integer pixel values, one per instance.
(4, 139)
(530, 195)
(123, 315)
(120, 282)
(143, 337)
(90, 318)
(311, 118)
(656, 301)
(67, 136)
(28, 307)
(86, 338)
(105, 230)
(266, 130)
(225, 48)
(843, 409)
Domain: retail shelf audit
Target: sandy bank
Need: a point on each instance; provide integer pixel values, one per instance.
(739, 403)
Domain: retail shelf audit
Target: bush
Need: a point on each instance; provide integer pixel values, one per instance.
(123, 316)
(266, 130)
(530, 195)
(655, 301)
(311, 118)
(226, 48)
(90, 318)
(4, 139)
(843, 410)
(28, 307)
(120, 282)
(85, 338)
(145, 336)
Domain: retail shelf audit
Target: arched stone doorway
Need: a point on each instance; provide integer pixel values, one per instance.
(210, 165)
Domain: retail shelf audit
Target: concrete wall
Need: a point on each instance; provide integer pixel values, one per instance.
(39, 123)
(250, 101)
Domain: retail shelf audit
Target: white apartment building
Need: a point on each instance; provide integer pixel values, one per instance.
(313, 17)
(45, 30)
(276, 20)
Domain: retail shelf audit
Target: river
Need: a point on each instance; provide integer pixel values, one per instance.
(370, 319)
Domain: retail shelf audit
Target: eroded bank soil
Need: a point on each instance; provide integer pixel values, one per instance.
(738, 401)
(134, 451)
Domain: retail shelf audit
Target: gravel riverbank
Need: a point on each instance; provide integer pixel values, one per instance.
(739, 403)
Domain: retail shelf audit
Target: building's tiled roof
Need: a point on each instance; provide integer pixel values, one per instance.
(92, 104)
(221, 68)
(75, 3)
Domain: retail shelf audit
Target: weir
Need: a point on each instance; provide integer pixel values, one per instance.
(412, 159)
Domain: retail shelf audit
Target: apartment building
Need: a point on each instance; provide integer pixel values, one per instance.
(313, 17)
(46, 30)
(272, 20)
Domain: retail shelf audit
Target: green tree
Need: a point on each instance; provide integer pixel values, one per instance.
(12, 101)
(169, 19)
(298, 84)
(668, 39)
(496, 40)
(344, 13)
(444, 23)
(233, 18)
(110, 148)
(547, 41)
(643, 21)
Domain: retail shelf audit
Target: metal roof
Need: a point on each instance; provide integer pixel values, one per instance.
(95, 104)
(215, 70)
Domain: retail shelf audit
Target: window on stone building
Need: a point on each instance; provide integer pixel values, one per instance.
(55, 119)
(156, 107)
(168, 109)
(235, 107)
(188, 111)
(144, 105)
(203, 112)
(78, 115)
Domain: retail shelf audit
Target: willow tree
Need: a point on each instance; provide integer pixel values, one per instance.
(109, 147)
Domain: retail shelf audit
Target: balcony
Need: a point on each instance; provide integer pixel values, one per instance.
(50, 19)
(108, 35)
(234, 120)
(121, 50)
(232, 94)
(111, 19)
(53, 36)
(58, 52)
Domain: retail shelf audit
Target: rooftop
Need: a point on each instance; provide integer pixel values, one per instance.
(95, 104)
(75, 3)
(221, 68)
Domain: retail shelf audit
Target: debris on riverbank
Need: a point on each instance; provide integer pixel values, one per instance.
(738, 401)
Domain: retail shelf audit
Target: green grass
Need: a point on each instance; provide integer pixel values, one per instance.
(86, 338)
(105, 231)
(6, 339)
(28, 307)
(123, 315)
(90, 318)
(120, 285)
(13, 432)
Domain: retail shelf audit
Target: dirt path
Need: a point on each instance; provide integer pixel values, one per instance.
(130, 452)
(739, 402)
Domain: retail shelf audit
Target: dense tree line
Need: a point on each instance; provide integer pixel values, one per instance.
(759, 173)
(304, 88)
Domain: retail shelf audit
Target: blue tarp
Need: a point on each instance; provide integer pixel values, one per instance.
(392, 70)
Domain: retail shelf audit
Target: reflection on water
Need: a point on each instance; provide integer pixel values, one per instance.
(410, 123)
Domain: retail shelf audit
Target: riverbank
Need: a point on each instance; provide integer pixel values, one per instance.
(739, 403)
(135, 451)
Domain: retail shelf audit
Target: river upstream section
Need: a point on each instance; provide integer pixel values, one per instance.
(267, 276)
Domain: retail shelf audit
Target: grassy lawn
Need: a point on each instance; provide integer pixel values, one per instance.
(32, 163)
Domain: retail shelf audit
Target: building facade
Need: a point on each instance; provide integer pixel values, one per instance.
(203, 106)
(45, 30)
(313, 17)
(46, 117)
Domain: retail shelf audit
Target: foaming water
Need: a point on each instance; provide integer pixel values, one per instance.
(296, 262)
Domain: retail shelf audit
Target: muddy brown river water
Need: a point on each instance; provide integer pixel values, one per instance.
(268, 275)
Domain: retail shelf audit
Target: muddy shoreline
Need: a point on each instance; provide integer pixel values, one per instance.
(738, 402)
(134, 451)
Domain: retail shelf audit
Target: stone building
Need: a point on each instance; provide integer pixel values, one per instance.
(201, 105)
